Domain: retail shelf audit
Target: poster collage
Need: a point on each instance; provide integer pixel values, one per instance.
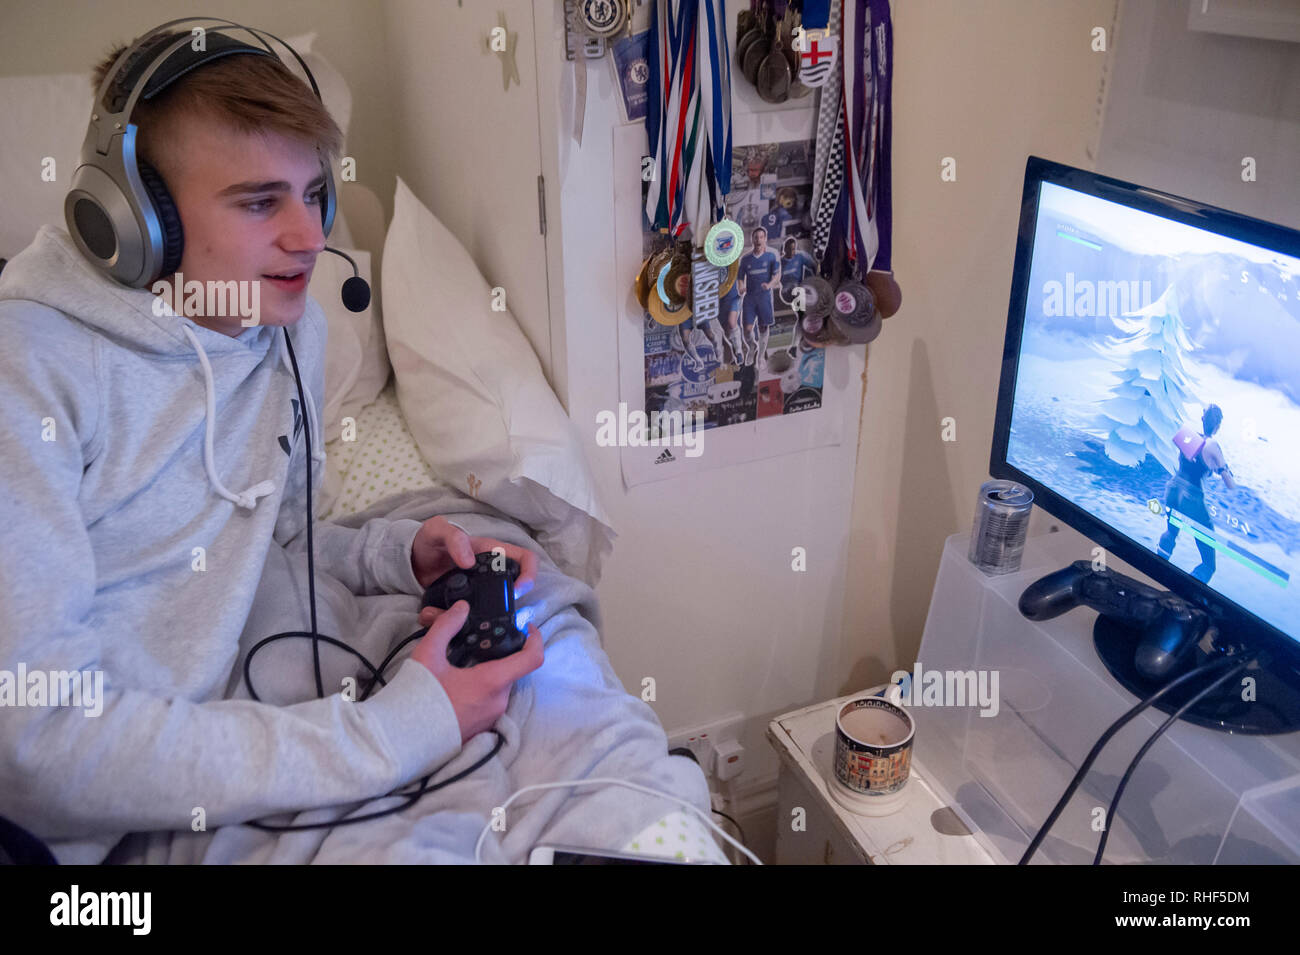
(749, 362)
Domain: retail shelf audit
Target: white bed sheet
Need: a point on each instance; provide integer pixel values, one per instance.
(382, 460)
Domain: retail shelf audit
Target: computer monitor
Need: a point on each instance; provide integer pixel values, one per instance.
(1150, 390)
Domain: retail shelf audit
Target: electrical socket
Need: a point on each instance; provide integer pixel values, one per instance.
(700, 740)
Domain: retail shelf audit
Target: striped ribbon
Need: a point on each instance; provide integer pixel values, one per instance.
(828, 149)
(882, 210)
(688, 122)
(666, 115)
(851, 189)
(715, 103)
(856, 103)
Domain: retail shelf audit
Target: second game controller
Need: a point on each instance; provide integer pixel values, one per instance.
(1103, 590)
(489, 632)
(1167, 625)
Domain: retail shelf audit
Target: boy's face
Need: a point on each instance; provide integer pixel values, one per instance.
(250, 208)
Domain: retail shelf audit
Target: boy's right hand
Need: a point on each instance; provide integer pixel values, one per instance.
(479, 694)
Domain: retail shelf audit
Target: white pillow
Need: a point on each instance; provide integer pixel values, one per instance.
(474, 396)
(356, 358)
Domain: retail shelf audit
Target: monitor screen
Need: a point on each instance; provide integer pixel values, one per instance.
(1157, 383)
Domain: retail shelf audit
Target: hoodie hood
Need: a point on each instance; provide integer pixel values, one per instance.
(52, 272)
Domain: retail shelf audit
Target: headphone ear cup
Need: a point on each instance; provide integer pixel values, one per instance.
(168, 217)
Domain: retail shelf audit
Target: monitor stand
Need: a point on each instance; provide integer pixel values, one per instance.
(1275, 707)
(1199, 797)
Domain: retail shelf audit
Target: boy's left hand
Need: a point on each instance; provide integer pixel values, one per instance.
(439, 546)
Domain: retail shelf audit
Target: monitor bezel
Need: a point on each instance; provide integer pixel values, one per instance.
(1230, 615)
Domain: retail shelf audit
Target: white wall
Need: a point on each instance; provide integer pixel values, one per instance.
(469, 147)
(699, 592)
(71, 36)
(1186, 108)
(987, 84)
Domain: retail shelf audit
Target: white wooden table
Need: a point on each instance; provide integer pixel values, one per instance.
(834, 835)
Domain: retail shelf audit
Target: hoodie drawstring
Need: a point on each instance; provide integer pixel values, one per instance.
(248, 499)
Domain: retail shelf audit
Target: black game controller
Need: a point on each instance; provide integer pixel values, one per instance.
(1168, 625)
(489, 632)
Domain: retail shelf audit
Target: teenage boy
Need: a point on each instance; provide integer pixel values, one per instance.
(125, 553)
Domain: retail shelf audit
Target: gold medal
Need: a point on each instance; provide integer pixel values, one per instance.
(656, 269)
(678, 283)
(729, 279)
(666, 314)
(641, 288)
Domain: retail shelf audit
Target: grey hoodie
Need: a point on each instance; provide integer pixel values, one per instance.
(146, 466)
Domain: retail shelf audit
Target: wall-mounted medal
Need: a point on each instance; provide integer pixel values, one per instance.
(747, 36)
(727, 277)
(641, 288)
(755, 53)
(602, 18)
(724, 243)
(773, 74)
(889, 297)
(677, 282)
(661, 284)
(816, 331)
(818, 297)
(746, 21)
(665, 314)
(787, 48)
(812, 332)
(668, 303)
(854, 313)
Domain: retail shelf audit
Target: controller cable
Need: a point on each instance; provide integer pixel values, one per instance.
(1214, 666)
(377, 675)
(1177, 714)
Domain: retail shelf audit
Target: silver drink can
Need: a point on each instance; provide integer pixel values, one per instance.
(997, 539)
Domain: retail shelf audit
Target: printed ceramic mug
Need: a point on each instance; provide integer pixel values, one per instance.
(873, 744)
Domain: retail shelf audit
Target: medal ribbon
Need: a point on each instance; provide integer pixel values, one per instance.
(688, 124)
(868, 72)
(655, 108)
(828, 170)
(683, 180)
(715, 102)
(856, 113)
(816, 14)
(882, 211)
(671, 61)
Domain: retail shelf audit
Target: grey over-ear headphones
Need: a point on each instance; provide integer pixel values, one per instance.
(118, 210)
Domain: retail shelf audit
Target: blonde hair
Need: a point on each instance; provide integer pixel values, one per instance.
(251, 94)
